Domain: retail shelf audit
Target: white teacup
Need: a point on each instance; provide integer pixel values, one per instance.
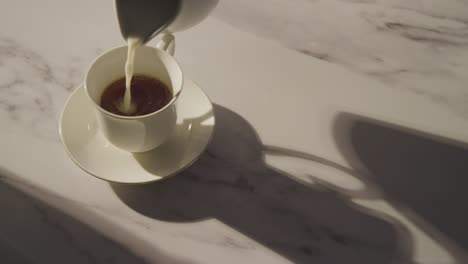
(136, 133)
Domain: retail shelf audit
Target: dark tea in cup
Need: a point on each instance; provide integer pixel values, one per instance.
(148, 95)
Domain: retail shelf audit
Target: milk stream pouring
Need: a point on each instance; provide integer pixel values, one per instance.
(142, 20)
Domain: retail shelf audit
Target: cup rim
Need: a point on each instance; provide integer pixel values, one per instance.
(173, 100)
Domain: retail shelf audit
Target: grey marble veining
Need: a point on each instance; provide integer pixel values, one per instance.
(374, 38)
(27, 82)
(318, 174)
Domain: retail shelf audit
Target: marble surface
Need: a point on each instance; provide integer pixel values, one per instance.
(340, 138)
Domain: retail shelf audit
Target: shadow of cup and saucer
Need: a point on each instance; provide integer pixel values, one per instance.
(232, 183)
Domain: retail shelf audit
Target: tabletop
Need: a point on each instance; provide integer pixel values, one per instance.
(341, 137)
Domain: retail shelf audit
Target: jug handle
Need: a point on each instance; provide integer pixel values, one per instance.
(167, 43)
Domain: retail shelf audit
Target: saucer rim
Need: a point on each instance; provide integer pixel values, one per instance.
(176, 172)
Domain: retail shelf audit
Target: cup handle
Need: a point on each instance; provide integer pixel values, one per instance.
(167, 43)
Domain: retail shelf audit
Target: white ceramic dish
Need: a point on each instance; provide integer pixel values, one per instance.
(90, 150)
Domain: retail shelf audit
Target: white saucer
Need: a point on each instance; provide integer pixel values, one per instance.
(90, 150)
